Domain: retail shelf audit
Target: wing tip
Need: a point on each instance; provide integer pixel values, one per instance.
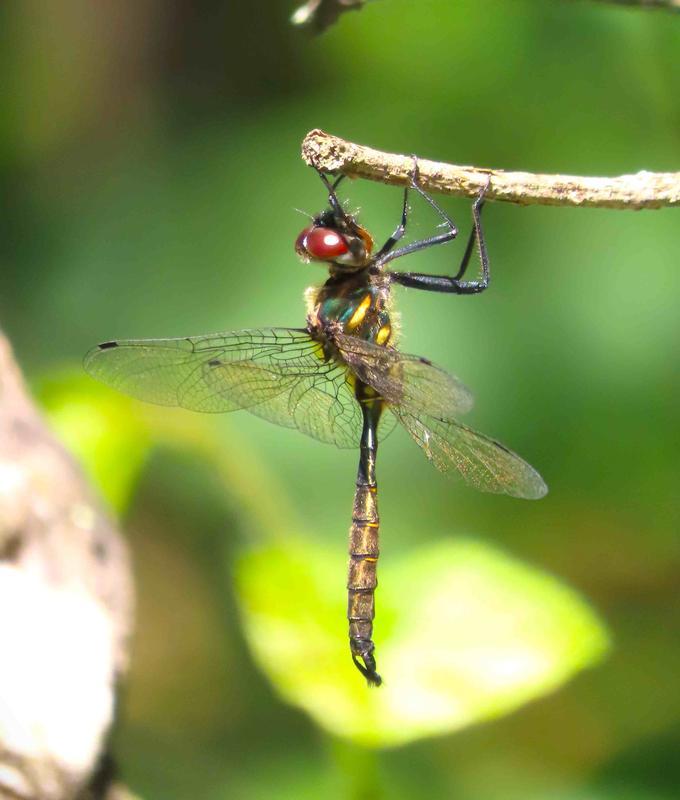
(536, 491)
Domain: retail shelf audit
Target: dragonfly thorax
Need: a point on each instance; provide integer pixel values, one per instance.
(352, 306)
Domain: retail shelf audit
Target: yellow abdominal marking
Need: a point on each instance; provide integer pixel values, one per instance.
(357, 318)
(383, 334)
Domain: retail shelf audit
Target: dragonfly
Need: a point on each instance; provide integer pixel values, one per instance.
(341, 379)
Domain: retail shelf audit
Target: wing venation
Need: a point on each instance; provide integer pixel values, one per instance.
(279, 374)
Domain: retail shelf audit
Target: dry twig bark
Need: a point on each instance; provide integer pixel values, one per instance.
(318, 15)
(641, 190)
(664, 5)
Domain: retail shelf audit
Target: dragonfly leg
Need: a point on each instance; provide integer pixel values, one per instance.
(398, 231)
(444, 283)
(333, 201)
(387, 254)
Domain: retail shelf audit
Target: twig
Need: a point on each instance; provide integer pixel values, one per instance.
(641, 190)
(667, 5)
(318, 15)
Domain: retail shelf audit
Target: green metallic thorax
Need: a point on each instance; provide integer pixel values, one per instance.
(357, 304)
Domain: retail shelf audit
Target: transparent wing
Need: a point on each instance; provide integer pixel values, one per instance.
(321, 406)
(276, 373)
(411, 382)
(481, 461)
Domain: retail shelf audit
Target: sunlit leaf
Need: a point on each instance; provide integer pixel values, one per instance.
(463, 633)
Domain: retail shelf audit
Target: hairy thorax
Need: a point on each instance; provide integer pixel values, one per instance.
(357, 305)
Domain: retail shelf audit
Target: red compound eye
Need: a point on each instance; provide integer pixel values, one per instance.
(300, 248)
(323, 243)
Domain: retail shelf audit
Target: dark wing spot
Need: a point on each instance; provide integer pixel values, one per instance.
(424, 360)
(214, 362)
(107, 345)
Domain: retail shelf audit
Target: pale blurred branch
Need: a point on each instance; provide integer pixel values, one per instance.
(640, 190)
(66, 606)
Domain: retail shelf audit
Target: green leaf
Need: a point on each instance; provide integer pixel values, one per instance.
(463, 633)
(103, 430)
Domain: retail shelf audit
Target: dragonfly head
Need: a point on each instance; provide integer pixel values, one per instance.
(335, 237)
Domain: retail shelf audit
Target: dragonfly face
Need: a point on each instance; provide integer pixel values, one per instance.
(337, 239)
(339, 380)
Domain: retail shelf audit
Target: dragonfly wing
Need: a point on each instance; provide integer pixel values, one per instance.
(321, 406)
(482, 462)
(277, 373)
(410, 382)
(388, 422)
(219, 372)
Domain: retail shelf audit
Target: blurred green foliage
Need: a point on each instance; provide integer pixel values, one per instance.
(150, 167)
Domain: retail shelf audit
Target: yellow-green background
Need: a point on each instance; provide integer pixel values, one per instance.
(149, 154)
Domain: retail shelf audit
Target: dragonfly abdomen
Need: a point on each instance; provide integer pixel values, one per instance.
(364, 547)
(362, 577)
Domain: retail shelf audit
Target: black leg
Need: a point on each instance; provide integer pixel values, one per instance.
(442, 283)
(398, 232)
(333, 201)
(386, 254)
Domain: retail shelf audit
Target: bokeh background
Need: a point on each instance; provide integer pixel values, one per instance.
(151, 172)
